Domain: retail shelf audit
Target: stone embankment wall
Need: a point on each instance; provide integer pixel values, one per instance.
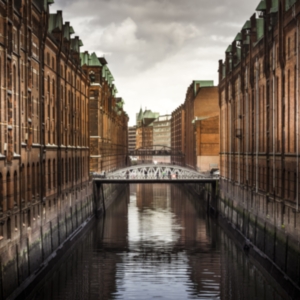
(252, 221)
(22, 259)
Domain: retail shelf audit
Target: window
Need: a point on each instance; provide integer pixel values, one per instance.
(53, 87)
(49, 175)
(48, 83)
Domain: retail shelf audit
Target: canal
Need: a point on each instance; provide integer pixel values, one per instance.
(156, 242)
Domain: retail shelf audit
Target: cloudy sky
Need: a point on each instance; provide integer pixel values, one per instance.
(156, 48)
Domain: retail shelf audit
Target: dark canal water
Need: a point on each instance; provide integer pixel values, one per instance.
(156, 242)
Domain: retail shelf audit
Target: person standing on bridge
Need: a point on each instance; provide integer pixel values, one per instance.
(127, 174)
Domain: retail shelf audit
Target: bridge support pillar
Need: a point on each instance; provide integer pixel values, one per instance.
(98, 194)
(214, 199)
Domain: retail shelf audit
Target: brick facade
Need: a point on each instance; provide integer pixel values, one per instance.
(107, 119)
(45, 190)
(178, 134)
(259, 102)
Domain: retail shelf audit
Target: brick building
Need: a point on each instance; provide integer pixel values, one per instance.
(162, 136)
(259, 102)
(144, 130)
(45, 191)
(201, 102)
(131, 138)
(178, 134)
(107, 119)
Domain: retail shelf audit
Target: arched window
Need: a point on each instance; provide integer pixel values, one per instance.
(8, 229)
(70, 170)
(16, 189)
(48, 83)
(28, 218)
(54, 173)
(66, 168)
(28, 184)
(33, 181)
(53, 87)
(62, 172)
(8, 190)
(37, 180)
(9, 83)
(49, 175)
(15, 81)
(23, 189)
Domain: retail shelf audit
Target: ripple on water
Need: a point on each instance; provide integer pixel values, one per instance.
(156, 245)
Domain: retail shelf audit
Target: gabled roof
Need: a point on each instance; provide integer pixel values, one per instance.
(274, 8)
(90, 59)
(43, 4)
(260, 28)
(229, 49)
(247, 25)
(238, 37)
(67, 31)
(55, 21)
(262, 6)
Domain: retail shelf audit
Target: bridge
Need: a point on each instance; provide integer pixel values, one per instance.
(155, 150)
(151, 173)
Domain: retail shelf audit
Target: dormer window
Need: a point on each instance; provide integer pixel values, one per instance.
(92, 77)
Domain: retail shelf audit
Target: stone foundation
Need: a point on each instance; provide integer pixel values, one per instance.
(271, 231)
(23, 258)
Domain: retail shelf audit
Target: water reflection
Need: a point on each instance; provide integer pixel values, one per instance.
(156, 243)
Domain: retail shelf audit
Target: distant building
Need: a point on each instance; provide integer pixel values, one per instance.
(162, 136)
(131, 138)
(144, 131)
(107, 119)
(178, 134)
(201, 103)
(195, 127)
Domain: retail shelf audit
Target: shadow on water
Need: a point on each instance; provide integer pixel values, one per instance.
(156, 242)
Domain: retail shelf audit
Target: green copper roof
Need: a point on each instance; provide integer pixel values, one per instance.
(75, 44)
(94, 61)
(239, 54)
(55, 21)
(247, 25)
(238, 37)
(261, 6)
(260, 28)
(80, 43)
(289, 4)
(202, 83)
(274, 8)
(84, 57)
(229, 49)
(67, 31)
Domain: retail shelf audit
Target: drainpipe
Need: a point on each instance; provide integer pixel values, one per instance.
(257, 122)
(274, 115)
(230, 140)
(247, 132)
(239, 127)
(297, 113)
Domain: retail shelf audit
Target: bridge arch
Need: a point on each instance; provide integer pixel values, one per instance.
(152, 171)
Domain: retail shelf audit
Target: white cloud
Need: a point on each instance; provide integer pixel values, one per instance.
(155, 48)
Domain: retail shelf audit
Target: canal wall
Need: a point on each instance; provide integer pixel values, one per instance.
(23, 257)
(253, 221)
